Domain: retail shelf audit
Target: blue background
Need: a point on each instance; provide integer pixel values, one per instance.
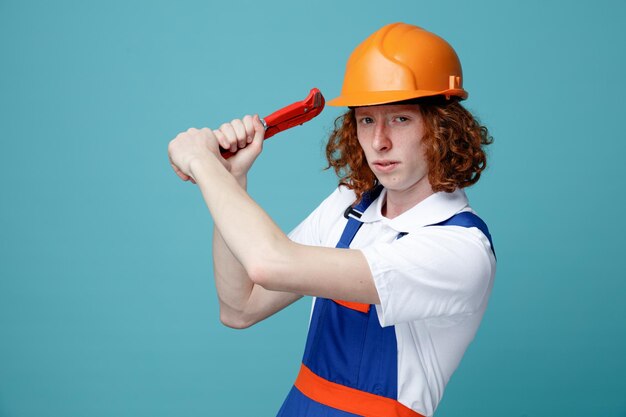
(107, 306)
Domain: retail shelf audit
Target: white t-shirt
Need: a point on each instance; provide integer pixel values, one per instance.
(433, 283)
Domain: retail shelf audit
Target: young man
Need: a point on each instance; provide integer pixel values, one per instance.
(400, 266)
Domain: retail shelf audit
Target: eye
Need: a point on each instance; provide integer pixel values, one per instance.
(401, 119)
(366, 120)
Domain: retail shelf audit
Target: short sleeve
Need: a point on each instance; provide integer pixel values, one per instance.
(437, 271)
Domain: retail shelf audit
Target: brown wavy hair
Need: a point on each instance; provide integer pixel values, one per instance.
(453, 142)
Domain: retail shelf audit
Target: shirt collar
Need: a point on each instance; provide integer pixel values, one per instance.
(433, 209)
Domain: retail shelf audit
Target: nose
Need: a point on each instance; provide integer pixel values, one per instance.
(381, 140)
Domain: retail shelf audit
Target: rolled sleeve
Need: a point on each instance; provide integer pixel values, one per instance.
(435, 272)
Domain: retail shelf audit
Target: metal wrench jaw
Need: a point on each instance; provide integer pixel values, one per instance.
(295, 114)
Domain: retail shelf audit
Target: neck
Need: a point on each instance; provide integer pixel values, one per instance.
(397, 202)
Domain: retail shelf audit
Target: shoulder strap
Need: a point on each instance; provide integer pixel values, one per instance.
(354, 213)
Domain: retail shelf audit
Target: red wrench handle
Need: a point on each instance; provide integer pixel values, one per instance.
(289, 116)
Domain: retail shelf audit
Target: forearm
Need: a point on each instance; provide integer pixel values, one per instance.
(251, 243)
(242, 301)
(235, 289)
(269, 258)
(250, 234)
(231, 280)
(232, 283)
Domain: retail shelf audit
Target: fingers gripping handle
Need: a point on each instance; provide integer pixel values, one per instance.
(292, 115)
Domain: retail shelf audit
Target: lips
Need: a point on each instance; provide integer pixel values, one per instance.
(384, 165)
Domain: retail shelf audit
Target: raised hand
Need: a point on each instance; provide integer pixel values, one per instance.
(244, 137)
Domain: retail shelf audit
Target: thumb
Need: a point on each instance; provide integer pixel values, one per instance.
(259, 129)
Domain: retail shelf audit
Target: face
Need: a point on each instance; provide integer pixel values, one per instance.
(391, 137)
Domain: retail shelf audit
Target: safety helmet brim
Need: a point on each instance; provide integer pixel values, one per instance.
(373, 98)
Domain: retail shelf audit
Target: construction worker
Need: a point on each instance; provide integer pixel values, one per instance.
(400, 266)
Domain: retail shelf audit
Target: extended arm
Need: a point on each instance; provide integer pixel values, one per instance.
(269, 258)
(264, 253)
(242, 303)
